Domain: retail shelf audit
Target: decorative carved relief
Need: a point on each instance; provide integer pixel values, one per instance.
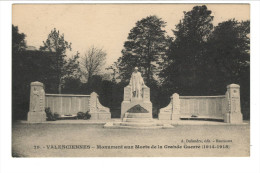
(37, 98)
(42, 100)
(37, 103)
(234, 114)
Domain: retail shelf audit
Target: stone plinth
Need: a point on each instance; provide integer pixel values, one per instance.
(233, 115)
(130, 101)
(37, 103)
(98, 111)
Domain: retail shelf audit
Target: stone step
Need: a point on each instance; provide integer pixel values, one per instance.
(135, 127)
(118, 125)
(141, 120)
(128, 113)
(138, 115)
(136, 124)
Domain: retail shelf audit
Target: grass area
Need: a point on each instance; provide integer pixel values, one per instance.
(28, 137)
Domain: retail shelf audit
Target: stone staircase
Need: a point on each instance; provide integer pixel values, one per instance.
(136, 121)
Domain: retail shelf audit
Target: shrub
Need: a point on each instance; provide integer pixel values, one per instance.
(87, 116)
(50, 116)
(82, 115)
(56, 115)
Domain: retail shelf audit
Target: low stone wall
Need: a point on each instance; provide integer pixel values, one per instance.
(224, 107)
(63, 104)
(67, 104)
(203, 106)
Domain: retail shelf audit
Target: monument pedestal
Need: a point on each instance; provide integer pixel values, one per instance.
(130, 101)
(136, 113)
(126, 105)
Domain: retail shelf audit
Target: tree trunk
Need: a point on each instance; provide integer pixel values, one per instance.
(89, 77)
(148, 72)
(59, 88)
(59, 85)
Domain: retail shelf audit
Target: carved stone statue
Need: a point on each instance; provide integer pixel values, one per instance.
(137, 84)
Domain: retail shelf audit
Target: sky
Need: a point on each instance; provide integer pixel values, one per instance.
(105, 26)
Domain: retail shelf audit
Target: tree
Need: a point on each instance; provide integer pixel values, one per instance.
(145, 48)
(19, 97)
(229, 55)
(18, 40)
(228, 48)
(71, 68)
(115, 73)
(57, 44)
(93, 60)
(71, 79)
(183, 71)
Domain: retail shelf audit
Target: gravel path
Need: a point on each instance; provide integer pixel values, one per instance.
(58, 140)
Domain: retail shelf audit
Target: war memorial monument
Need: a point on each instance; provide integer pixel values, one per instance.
(136, 108)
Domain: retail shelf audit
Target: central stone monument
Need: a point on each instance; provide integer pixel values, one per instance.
(136, 108)
(136, 97)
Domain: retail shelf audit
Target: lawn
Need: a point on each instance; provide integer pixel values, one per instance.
(47, 140)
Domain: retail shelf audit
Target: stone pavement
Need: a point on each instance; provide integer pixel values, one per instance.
(118, 120)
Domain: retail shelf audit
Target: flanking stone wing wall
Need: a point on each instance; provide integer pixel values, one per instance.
(67, 104)
(63, 104)
(224, 107)
(203, 106)
(98, 111)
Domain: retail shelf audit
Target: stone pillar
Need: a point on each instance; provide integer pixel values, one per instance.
(176, 107)
(146, 94)
(127, 93)
(233, 115)
(37, 103)
(98, 111)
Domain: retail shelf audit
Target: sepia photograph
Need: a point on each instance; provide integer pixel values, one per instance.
(130, 80)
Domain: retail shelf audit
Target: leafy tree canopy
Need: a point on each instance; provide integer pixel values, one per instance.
(18, 39)
(145, 48)
(186, 55)
(57, 44)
